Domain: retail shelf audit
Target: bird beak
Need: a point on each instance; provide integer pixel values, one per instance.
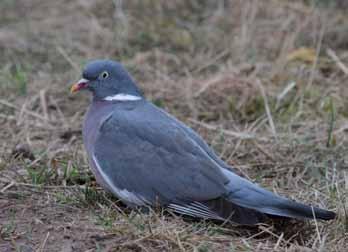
(79, 85)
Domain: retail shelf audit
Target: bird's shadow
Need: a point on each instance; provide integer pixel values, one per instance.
(287, 230)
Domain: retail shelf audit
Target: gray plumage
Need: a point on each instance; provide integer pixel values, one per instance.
(146, 157)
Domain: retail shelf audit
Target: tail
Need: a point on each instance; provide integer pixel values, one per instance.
(250, 196)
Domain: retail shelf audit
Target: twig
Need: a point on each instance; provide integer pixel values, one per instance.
(240, 135)
(7, 187)
(212, 61)
(44, 103)
(315, 63)
(262, 150)
(273, 234)
(341, 129)
(331, 123)
(257, 124)
(268, 111)
(278, 242)
(207, 84)
(68, 59)
(337, 60)
(316, 225)
(285, 91)
(41, 249)
(43, 154)
(36, 115)
(60, 113)
(44, 186)
(127, 243)
(345, 175)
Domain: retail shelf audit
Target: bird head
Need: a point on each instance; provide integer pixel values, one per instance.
(106, 78)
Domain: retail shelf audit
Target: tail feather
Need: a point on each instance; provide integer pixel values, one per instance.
(248, 195)
(234, 213)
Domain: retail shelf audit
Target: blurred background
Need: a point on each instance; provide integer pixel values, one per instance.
(263, 81)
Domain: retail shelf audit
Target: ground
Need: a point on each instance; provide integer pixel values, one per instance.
(264, 82)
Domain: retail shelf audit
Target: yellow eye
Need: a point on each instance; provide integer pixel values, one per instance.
(104, 75)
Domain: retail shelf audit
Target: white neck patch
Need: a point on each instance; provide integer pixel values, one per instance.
(122, 97)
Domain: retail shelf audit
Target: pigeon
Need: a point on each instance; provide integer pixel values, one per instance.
(147, 158)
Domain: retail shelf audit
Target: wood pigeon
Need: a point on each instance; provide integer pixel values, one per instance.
(146, 157)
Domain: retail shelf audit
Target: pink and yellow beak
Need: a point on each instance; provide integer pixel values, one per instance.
(81, 84)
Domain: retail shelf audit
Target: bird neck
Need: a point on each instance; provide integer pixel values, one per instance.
(124, 92)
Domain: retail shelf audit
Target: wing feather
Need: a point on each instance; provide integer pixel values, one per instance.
(148, 153)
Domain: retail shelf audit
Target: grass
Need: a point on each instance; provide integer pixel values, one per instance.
(264, 82)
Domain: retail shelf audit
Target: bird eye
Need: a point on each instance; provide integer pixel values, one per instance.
(104, 75)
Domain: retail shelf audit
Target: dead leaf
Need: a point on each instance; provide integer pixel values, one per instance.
(304, 54)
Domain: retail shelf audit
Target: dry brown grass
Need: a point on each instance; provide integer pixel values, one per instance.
(230, 69)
